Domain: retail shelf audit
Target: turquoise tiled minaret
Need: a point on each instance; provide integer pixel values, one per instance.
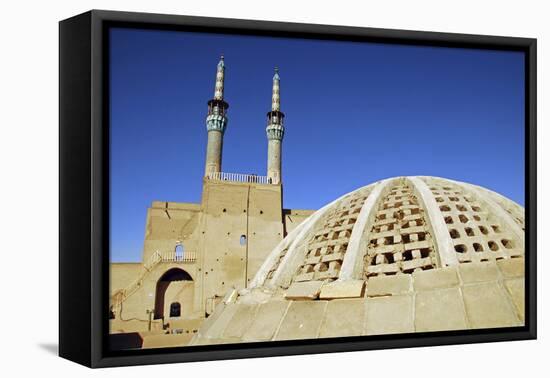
(216, 122)
(275, 132)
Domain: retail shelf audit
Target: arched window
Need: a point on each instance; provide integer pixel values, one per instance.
(179, 252)
(242, 241)
(175, 310)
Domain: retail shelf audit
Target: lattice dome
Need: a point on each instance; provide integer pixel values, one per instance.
(403, 254)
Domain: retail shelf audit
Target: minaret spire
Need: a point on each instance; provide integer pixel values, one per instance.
(216, 122)
(275, 97)
(275, 132)
(220, 76)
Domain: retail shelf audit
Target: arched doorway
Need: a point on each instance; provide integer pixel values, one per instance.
(170, 276)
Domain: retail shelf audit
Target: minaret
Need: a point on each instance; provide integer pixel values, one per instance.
(275, 132)
(216, 121)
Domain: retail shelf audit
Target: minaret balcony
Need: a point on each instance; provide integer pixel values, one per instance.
(216, 122)
(275, 131)
(239, 177)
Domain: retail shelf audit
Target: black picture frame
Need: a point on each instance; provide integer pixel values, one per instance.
(84, 183)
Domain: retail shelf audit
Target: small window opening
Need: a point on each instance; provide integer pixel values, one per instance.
(508, 244)
(461, 248)
(175, 310)
(478, 247)
(243, 240)
(454, 234)
(179, 252)
(407, 255)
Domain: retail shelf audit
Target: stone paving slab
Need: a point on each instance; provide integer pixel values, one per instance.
(439, 310)
(344, 289)
(343, 317)
(392, 314)
(217, 327)
(488, 307)
(304, 290)
(240, 321)
(516, 289)
(512, 268)
(435, 279)
(389, 285)
(267, 320)
(302, 320)
(479, 272)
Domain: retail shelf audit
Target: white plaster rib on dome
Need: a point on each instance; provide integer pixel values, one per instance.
(444, 245)
(352, 266)
(271, 260)
(292, 241)
(299, 261)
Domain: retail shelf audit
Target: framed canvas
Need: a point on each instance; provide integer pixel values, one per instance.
(408, 172)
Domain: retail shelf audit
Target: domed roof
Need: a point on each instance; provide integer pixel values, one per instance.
(403, 254)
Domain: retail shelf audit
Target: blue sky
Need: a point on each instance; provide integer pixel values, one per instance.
(355, 113)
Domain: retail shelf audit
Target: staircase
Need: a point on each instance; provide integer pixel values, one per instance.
(121, 295)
